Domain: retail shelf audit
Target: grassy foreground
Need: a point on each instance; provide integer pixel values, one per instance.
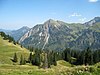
(7, 51)
(60, 69)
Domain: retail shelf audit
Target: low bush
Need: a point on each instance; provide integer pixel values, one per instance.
(92, 69)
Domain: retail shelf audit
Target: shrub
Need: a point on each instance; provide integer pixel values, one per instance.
(92, 69)
(98, 66)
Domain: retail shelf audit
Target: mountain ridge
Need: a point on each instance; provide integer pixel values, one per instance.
(93, 21)
(16, 34)
(58, 35)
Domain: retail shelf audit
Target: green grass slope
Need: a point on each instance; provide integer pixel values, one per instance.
(7, 51)
(63, 68)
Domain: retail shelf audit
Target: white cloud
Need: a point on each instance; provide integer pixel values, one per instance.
(82, 19)
(75, 15)
(93, 0)
(78, 18)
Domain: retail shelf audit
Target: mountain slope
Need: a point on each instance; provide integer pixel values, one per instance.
(93, 21)
(7, 51)
(52, 34)
(5, 31)
(89, 38)
(16, 34)
(58, 35)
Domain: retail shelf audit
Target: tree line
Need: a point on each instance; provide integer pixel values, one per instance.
(7, 37)
(40, 58)
(46, 58)
(84, 57)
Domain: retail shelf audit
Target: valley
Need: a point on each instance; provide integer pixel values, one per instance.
(59, 35)
(49, 37)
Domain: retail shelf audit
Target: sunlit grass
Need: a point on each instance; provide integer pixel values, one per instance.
(7, 51)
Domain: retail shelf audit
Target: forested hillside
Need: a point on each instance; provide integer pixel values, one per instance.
(15, 59)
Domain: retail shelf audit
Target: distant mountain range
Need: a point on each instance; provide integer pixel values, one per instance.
(58, 35)
(16, 34)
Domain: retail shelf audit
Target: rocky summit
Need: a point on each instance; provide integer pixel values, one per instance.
(58, 35)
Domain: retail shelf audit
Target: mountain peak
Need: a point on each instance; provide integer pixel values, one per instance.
(93, 21)
(24, 27)
(97, 19)
(52, 22)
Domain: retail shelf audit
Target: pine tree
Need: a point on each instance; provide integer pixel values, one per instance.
(96, 56)
(49, 58)
(54, 60)
(83, 57)
(14, 42)
(22, 60)
(88, 57)
(91, 57)
(45, 62)
(15, 59)
(30, 57)
(67, 54)
(36, 58)
(21, 46)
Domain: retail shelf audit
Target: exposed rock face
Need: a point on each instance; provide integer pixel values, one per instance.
(93, 21)
(42, 35)
(58, 35)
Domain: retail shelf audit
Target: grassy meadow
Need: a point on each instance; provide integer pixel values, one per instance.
(7, 67)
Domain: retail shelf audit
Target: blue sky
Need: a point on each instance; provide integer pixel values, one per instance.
(17, 13)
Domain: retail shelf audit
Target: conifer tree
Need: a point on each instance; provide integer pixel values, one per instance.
(49, 59)
(96, 56)
(15, 59)
(30, 57)
(36, 58)
(22, 60)
(88, 57)
(45, 62)
(67, 54)
(54, 59)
